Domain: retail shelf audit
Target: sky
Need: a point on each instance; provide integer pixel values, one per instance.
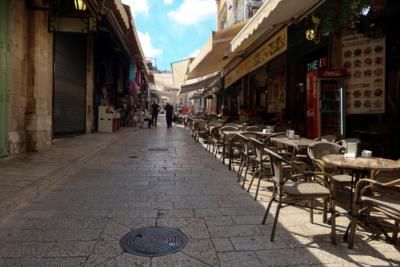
(172, 30)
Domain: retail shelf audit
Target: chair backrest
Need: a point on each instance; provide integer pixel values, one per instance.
(319, 149)
(215, 132)
(214, 123)
(278, 134)
(253, 128)
(277, 162)
(251, 135)
(237, 125)
(259, 148)
(328, 138)
(228, 128)
(200, 124)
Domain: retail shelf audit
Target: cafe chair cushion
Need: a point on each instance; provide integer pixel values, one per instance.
(304, 189)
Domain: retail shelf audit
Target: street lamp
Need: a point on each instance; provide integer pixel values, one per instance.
(313, 29)
(80, 5)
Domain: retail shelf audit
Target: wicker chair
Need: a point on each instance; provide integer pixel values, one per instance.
(209, 126)
(263, 164)
(279, 148)
(237, 125)
(247, 154)
(315, 152)
(327, 138)
(253, 128)
(226, 140)
(377, 212)
(200, 130)
(300, 185)
(216, 142)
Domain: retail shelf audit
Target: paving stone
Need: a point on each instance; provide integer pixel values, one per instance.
(103, 252)
(219, 221)
(222, 244)
(81, 219)
(234, 231)
(178, 259)
(127, 260)
(201, 249)
(41, 235)
(43, 262)
(45, 249)
(192, 227)
(257, 243)
(239, 259)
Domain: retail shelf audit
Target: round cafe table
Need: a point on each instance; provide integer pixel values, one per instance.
(359, 166)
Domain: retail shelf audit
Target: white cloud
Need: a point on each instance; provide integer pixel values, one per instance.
(193, 11)
(148, 49)
(195, 53)
(138, 6)
(168, 2)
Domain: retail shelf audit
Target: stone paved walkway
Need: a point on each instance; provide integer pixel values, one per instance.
(147, 177)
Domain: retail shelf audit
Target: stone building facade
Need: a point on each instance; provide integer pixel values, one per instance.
(27, 74)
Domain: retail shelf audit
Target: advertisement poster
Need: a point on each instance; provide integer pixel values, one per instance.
(276, 91)
(364, 61)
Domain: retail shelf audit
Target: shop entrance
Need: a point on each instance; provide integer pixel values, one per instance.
(69, 96)
(3, 78)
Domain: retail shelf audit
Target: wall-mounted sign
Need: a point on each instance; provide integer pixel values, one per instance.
(71, 24)
(317, 64)
(275, 46)
(364, 60)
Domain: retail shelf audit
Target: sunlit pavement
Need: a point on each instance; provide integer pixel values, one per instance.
(107, 184)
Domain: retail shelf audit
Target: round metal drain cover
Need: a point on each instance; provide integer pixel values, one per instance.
(153, 241)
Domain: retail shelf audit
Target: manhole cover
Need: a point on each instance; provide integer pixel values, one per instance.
(153, 241)
(158, 149)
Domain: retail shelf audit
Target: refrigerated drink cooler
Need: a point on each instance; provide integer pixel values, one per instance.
(325, 103)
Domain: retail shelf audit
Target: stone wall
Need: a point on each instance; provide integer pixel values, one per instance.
(31, 75)
(90, 86)
(31, 80)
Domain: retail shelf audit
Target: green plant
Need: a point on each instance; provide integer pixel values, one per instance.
(341, 14)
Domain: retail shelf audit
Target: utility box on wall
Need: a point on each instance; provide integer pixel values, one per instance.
(105, 120)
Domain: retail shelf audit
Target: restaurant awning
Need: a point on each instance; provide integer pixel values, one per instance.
(200, 83)
(214, 54)
(272, 14)
(179, 71)
(163, 81)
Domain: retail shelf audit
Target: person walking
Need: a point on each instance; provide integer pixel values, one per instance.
(169, 112)
(155, 108)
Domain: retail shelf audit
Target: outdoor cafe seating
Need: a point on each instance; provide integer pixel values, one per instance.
(376, 208)
(338, 179)
(302, 175)
(296, 186)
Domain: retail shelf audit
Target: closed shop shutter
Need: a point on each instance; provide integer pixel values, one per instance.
(69, 99)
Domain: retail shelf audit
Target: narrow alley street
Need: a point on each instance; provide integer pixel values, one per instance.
(156, 177)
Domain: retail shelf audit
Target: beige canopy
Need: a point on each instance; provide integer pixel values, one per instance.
(272, 15)
(214, 55)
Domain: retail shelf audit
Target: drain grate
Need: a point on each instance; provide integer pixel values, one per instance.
(153, 241)
(158, 149)
(132, 157)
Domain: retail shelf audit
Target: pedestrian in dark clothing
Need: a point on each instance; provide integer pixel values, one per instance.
(154, 113)
(169, 112)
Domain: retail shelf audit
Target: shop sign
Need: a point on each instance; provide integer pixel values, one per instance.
(364, 60)
(317, 64)
(269, 50)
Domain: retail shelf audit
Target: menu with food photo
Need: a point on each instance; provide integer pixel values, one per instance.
(364, 61)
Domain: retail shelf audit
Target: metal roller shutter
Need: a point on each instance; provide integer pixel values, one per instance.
(69, 99)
